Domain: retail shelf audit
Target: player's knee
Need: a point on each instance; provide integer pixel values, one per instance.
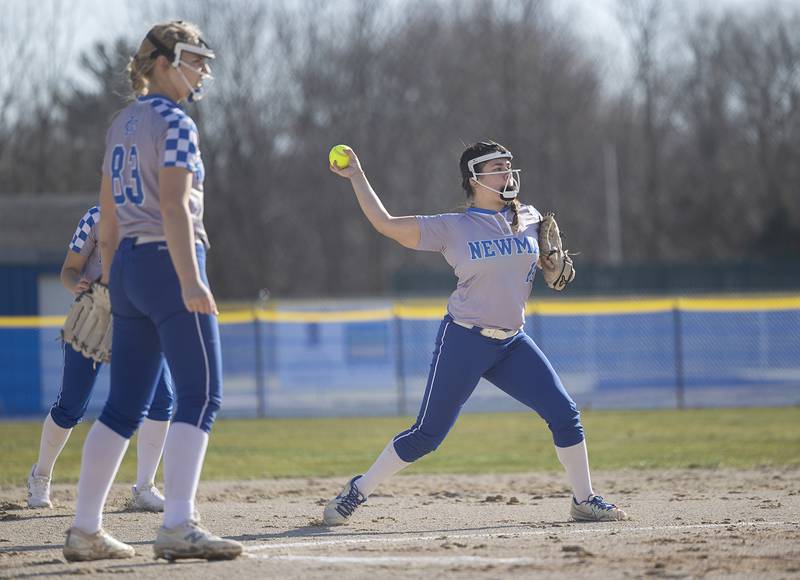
(198, 411)
(161, 409)
(159, 413)
(123, 422)
(567, 429)
(209, 415)
(65, 418)
(416, 445)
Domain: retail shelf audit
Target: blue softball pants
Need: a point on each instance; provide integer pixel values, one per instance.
(515, 365)
(151, 325)
(77, 383)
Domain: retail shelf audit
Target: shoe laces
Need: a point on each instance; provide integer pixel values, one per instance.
(194, 524)
(152, 490)
(598, 502)
(39, 483)
(347, 504)
(209, 535)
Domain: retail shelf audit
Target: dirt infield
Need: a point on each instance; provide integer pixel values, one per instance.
(688, 523)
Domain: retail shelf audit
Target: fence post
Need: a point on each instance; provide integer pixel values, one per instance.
(399, 363)
(679, 371)
(261, 387)
(261, 391)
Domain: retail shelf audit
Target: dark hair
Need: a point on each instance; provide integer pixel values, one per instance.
(477, 150)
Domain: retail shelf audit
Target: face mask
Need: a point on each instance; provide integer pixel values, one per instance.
(174, 55)
(195, 92)
(511, 188)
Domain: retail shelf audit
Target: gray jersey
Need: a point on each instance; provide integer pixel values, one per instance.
(151, 133)
(84, 242)
(494, 266)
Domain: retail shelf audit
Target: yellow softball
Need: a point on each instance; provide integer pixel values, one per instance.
(339, 155)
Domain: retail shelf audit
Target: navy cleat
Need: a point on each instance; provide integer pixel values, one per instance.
(595, 509)
(340, 508)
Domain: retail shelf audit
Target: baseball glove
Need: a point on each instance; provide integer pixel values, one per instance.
(556, 262)
(88, 325)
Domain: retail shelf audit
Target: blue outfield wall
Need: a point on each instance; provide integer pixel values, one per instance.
(21, 372)
(374, 361)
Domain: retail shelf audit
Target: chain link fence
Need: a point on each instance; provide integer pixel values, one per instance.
(319, 359)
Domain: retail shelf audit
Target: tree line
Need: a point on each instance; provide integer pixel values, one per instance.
(694, 157)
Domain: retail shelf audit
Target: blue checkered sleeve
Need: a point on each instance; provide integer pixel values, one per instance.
(84, 230)
(180, 146)
(180, 141)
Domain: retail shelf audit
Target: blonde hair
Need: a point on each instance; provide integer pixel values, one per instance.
(142, 64)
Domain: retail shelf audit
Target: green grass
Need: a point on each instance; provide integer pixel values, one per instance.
(479, 443)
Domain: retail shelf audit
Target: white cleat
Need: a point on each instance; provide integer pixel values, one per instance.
(147, 499)
(38, 490)
(190, 540)
(340, 508)
(595, 509)
(83, 547)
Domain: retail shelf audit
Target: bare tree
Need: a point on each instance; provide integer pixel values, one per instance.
(708, 127)
(643, 22)
(763, 62)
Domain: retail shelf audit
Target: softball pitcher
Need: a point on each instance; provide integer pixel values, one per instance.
(493, 248)
(151, 197)
(81, 267)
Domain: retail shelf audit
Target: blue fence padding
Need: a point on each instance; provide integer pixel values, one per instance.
(19, 285)
(380, 367)
(741, 358)
(625, 350)
(20, 380)
(622, 360)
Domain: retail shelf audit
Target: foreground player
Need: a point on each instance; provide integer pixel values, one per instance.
(151, 197)
(493, 249)
(81, 267)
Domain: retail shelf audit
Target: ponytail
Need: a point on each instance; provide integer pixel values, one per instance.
(514, 205)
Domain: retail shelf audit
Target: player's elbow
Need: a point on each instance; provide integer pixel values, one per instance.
(173, 206)
(68, 277)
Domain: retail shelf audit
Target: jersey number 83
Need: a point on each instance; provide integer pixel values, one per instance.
(130, 189)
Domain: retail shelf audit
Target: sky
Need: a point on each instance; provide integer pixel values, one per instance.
(98, 20)
(597, 23)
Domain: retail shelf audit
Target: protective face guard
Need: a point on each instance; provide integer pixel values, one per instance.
(506, 194)
(174, 55)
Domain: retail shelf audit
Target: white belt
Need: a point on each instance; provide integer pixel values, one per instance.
(496, 333)
(149, 239)
(138, 240)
